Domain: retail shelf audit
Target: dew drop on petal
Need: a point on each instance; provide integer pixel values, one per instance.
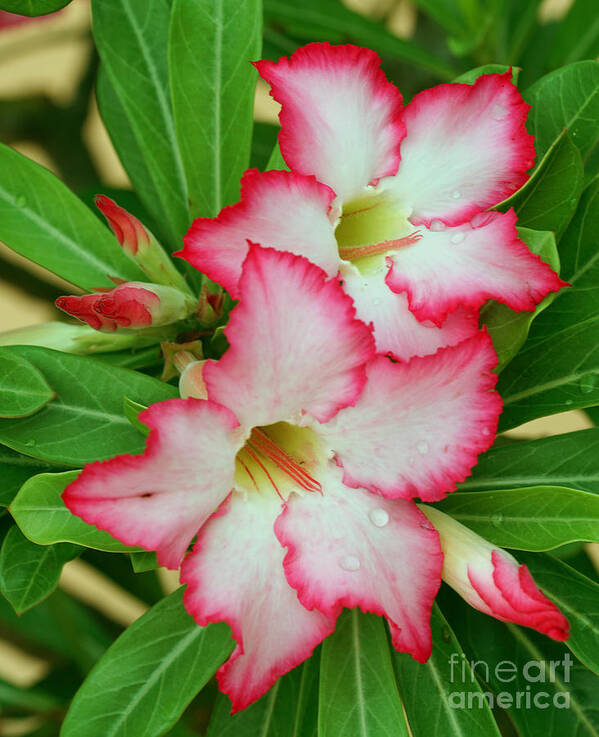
(437, 226)
(426, 525)
(485, 431)
(350, 563)
(588, 383)
(457, 238)
(378, 517)
(456, 195)
(422, 448)
(497, 519)
(498, 112)
(411, 460)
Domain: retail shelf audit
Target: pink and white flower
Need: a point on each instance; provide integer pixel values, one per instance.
(394, 200)
(295, 468)
(492, 581)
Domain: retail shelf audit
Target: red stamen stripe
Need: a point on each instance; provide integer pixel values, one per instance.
(251, 451)
(351, 252)
(278, 456)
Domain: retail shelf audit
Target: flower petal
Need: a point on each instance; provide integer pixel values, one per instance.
(349, 547)
(159, 500)
(468, 264)
(418, 427)
(295, 345)
(235, 574)
(466, 149)
(278, 209)
(396, 330)
(341, 119)
(491, 580)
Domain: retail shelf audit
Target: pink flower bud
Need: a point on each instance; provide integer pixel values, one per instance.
(130, 305)
(492, 580)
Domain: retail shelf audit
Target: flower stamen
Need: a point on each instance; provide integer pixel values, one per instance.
(265, 445)
(352, 252)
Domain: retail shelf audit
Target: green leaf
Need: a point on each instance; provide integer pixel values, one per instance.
(358, 692)
(212, 84)
(548, 199)
(86, 421)
(578, 598)
(263, 142)
(507, 328)
(43, 221)
(29, 573)
(570, 460)
(428, 689)
(23, 389)
(131, 410)
(506, 658)
(276, 160)
(15, 469)
(33, 8)
(530, 518)
(39, 511)
(330, 20)
(472, 75)
(566, 98)
(143, 561)
(457, 17)
(289, 708)
(28, 700)
(158, 664)
(558, 367)
(132, 38)
(578, 35)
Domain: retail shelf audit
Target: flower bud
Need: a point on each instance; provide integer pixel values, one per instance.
(140, 245)
(492, 581)
(130, 305)
(191, 382)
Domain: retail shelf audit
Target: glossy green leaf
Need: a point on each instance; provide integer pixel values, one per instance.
(149, 675)
(578, 35)
(472, 75)
(428, 689)
(567, 97)
(43, 221)
(263, 141)
(530, 518)
(86, 421)
(33, 8)
(212, 84)
(23, 389)
(143, 561)
(15, 469)
(29, 573)
(358, 692)
(132, 38)
(131, 411)
(289, 708)
(331, 20)
(506, 658)
(571, 459)
(509, 329)
(577, 597)
(276, 160)
(548, 199)
(40, 513)
(558, 367)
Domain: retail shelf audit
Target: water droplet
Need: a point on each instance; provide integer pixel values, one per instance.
(411, 460)
(497, 519)
(457, 238)
(426, 525)
(445, 633)
(350, 563)
(20, 200)
(376, 302)
(588, 383)
(485, 431)
(30, 443)
(422, 448)
(456, 195)
(498, 112)
(437, 226)
(569, 401)
(530, 163)
(378, 517)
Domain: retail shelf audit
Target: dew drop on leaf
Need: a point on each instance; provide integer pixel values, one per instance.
(497, 519)
(445, 634)
(588, 383)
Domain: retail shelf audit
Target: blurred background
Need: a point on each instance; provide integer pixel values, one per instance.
(48, 112)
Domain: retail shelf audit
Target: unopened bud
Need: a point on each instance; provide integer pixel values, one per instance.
(130, 305)
(191, 383)
(140, 245)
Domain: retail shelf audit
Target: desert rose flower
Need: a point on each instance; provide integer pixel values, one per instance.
(140, 245)
(295, 468)
(395, 200)
(491, 580)
(130, 305)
